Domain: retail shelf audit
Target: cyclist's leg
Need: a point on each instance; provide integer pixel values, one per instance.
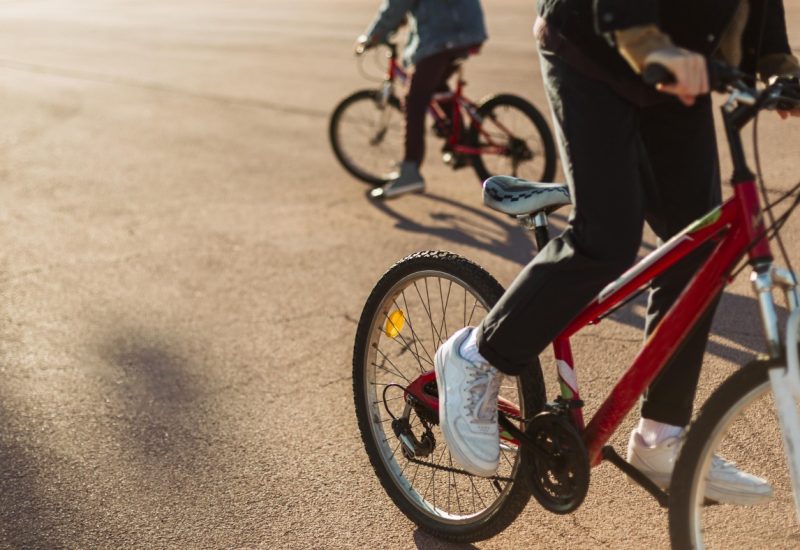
(599, 144)
(427, 77)
(682, 152)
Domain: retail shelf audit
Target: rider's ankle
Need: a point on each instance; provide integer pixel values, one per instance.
(469, 348)
(653, 432)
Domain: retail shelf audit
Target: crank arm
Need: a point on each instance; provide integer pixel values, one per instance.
(521, 436)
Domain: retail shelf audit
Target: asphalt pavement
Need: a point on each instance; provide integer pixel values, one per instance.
(183, 263)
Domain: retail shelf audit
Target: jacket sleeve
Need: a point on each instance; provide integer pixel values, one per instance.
(774, 54)
(390, 16)
(616, 15)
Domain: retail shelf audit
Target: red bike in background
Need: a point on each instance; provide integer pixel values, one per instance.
(504, 134)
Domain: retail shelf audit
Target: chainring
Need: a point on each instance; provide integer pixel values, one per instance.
(558, 467)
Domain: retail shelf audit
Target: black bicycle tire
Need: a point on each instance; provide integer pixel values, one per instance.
(548, 144)
(333, 127)
(532, 384)
(725, 397)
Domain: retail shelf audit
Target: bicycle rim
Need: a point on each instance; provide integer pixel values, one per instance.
(528, 149)
(746, 432)
(432, 304)
(368, 136)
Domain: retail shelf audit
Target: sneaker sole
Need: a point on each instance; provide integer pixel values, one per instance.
(736, 498)
(392, 194)
(717, 495)
(454, 451)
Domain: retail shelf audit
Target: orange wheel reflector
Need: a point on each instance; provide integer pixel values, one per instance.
(395, 324)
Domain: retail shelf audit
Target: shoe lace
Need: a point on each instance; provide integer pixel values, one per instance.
(483, 388)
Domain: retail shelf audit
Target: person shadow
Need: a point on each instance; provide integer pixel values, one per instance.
(462, 224)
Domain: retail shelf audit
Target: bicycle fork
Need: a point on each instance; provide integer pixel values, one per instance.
(785, 382)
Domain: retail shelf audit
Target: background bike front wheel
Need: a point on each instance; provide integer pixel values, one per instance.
(367, 135)
(413, 309)
(739, 422)
(511, 122)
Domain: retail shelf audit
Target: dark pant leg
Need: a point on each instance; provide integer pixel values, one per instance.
(430, 74)
(682, 151)
(600, 150)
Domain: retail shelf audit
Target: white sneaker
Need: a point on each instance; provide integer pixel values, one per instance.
(407, 180)
(468, 407)
(725, 483)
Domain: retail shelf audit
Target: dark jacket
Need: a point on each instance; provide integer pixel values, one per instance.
(435, 25)
(697, 25)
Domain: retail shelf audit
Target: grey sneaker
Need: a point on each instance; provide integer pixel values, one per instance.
(468, 407)
(408, 180)
(725, 483)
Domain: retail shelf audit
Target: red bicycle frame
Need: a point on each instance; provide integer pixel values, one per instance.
(460, 104)
(733, 227)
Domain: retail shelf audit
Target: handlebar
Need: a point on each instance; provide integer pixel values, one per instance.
(364, 45)
(783, 94)
(720, 75)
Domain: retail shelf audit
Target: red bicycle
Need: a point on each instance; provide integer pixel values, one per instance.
(547, 449)
(504, 134)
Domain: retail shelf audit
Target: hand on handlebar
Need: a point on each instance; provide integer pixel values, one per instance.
(792, 89)
(363, 43)
(688, 70)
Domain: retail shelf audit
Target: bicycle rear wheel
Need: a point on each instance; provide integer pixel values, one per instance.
(738, 422)
(367, 135)
(514, 125)
(415, 306)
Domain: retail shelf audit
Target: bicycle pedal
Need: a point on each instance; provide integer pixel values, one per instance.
(453, 160)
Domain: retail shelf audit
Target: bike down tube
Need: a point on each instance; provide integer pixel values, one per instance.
(678, 321)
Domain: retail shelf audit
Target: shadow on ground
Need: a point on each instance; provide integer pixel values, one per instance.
(424, 541)
(474, 227)
(156, 394)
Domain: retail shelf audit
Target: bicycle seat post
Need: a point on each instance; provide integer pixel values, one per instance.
(537, 223)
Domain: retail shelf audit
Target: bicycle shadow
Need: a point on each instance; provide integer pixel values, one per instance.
(424, 541)
(478, 228)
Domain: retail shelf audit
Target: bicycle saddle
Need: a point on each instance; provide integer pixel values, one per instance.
(518, 197)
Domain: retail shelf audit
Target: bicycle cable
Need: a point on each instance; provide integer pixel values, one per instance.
(775, 226)
(773, 231)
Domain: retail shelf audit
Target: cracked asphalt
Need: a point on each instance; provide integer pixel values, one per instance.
(183, 263)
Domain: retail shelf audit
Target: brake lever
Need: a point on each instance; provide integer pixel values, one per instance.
(789, 97)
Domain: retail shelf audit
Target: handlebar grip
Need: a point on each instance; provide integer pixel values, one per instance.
(720, 75)
(656, 73)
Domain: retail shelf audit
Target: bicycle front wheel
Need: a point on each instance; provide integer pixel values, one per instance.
(412, 310)
(514, 140)
(739, 422)
(367, 135)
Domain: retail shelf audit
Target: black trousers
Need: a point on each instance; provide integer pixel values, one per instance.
(624, 165)
(429, 77)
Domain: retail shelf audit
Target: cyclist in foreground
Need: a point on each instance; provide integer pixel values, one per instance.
(630, 155)
(441, 35)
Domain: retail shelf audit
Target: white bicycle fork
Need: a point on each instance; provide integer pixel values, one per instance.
(786, 388)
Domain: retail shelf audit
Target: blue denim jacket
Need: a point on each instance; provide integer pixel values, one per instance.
(435, 25)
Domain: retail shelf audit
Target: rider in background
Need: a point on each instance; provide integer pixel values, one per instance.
(630, 154)
(442, 33)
